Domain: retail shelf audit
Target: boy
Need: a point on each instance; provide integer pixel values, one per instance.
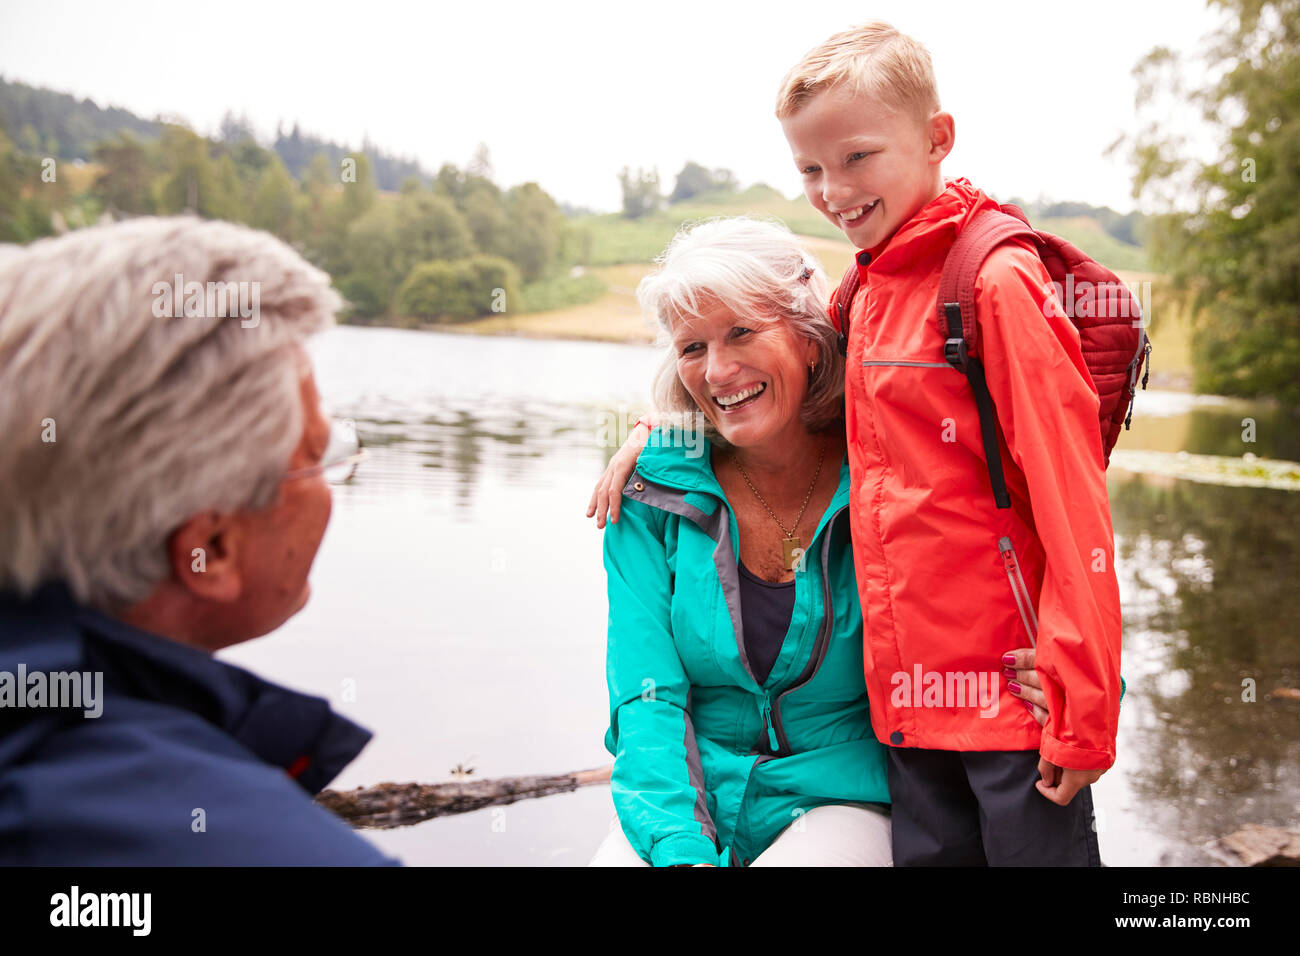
(948, 581)
(861, 114)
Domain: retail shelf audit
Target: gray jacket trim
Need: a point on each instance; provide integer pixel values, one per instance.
(695, 772)
(716, 527)
(823, 636)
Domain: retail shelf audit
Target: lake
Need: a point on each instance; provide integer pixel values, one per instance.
(459, 611)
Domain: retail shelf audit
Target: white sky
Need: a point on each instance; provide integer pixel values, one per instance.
(566, 93)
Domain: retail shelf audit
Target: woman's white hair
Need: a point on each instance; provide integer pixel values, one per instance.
(116, 425)
(759, 270)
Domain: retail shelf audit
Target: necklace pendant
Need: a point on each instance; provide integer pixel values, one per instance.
(792, 552)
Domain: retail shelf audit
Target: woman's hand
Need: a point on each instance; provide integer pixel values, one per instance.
(1058, 784)
(608, 493)
(1018, 669)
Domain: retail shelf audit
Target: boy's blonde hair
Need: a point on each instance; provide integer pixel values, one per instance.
(875, 60)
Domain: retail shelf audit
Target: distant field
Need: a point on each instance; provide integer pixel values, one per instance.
(615, 315)
(619, 240)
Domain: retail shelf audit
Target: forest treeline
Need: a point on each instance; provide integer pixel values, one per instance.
(450, 248)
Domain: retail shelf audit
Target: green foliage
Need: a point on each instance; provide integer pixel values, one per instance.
(535, 225)
(58, 125)
(326, 202)
(127, 169)
(460, 290)
(694, 180)
(1088, 234)
(562, 292)
(640, 192)
(1232, 246)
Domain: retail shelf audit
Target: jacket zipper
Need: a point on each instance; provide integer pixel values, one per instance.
(765, 711)
(1019, 590)
(775, 726)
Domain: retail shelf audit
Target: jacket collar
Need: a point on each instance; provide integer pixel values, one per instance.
(294, 731)
(931, 232)
(682, 465)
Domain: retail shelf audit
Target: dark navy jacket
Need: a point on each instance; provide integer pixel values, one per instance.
(180, 731)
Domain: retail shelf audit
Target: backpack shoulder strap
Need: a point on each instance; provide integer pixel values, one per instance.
(842, 305)
(984, 233)
(956, 309)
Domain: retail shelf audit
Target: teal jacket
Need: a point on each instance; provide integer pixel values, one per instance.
(710, 765)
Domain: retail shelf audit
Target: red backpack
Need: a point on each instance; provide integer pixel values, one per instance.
(1115, 344)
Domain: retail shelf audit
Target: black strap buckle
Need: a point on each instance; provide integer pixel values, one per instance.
(956, 354)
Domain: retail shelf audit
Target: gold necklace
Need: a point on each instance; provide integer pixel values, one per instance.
(791, 543)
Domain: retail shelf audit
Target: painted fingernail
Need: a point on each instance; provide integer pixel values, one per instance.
(1028, 706)
(1009, 659)
(1008, 672)
(1013, 687)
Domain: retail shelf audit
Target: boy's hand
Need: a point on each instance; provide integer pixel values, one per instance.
(1022, 681)
(608, 493)
(1060, 785)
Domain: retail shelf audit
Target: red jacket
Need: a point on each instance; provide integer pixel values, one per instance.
(937, 590)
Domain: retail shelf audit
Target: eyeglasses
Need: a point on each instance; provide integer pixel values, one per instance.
(342, 455)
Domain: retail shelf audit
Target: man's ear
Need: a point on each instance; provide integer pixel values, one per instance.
(941, 132)
(204, 556)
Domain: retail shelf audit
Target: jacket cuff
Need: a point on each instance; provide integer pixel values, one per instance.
(683, 848)
(1070, 757)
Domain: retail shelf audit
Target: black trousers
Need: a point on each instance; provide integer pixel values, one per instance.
(981, 808)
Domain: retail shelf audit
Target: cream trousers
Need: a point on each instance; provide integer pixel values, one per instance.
(844, 834)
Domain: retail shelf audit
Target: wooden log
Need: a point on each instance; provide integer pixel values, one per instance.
(1259, 845)
(389, 805)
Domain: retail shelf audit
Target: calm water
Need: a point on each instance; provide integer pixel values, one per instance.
(459, 599)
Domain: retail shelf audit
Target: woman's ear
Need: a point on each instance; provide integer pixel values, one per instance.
(204, 556)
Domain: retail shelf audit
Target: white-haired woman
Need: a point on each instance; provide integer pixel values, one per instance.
(738, 712)
(739, 717)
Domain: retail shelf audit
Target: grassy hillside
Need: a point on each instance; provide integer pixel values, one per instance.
(618, 240)
(623, 252)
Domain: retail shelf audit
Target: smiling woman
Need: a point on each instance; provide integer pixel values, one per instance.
(738, 709)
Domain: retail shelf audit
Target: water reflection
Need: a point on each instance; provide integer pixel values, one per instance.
(1211, 611)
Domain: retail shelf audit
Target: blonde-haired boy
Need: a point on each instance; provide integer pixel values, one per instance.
(934, 556)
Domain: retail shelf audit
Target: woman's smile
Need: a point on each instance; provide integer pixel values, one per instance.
(737, 399)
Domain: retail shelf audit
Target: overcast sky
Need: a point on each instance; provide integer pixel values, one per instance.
(567, 93)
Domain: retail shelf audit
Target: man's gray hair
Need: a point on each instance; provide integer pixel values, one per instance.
(121, 417)
(760, 270)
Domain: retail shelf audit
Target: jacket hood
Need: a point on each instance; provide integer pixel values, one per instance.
(51, 632)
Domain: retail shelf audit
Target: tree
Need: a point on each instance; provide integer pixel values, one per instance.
(188, 183)
(535, 223)
(127, 168)
(273, 201)
(458, 291)
(485, 214)
(24, 205)
(429, 227)
(358, 186)
(694, 180)
(1235, 253)
(640, 192)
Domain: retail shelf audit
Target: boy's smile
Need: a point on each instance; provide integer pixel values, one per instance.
(866, 167)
